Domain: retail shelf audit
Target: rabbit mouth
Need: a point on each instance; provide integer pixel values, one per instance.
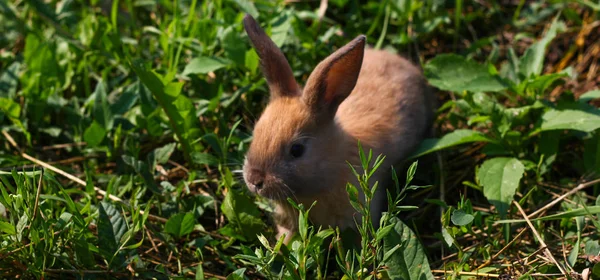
(275, 193)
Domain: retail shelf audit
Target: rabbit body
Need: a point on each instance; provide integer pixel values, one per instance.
(305, 138)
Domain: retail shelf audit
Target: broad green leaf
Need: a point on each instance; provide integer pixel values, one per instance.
(199, 272)
(500, 178)
(179, 109)
(180, 224)
(10, 108)
(126, 100)
(243, 214)
(447, 237)
(531, 63)
(204, 158)
(83, 254)
(44, 9)
(101, 110)
(570, 119)
(460, 218)
(302, 224)
(252, 60)
(63, 220)
(7, 228)
(486, 103)
(235, 47)
(409, 261)
(43, 69)
(111, 227)
(94, 134)
(280, 28)
(204, 65)
(315, 240)
(596, 267)
(237, 275)
(541, 83)
(162, 154)
(457, 137)
(383, 232)
(589, 96)
(9, 80)
(144, 171)
(248, 7)
(77, 216)
(592, 248)
(455, 73)
(572, 258)
(21, 225)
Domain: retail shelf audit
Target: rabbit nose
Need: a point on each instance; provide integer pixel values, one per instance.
(256, 178)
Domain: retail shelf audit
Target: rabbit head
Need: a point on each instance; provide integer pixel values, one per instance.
(297, 146)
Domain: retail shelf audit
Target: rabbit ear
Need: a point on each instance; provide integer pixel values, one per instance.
(335, 77)
(273, 64)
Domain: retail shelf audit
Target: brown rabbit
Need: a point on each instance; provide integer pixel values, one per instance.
(305, 137)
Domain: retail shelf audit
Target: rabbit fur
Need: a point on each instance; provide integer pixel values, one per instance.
(305, 138)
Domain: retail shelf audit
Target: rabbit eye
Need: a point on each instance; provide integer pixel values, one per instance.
(297, 150)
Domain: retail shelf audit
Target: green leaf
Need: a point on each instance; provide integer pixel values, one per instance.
(10, 108)
(7, 228)
(541, 83)
(570, 119)
(455, 73)
(235, 47)
(447, 237)
(204, 65)
(592, 248)
(180, 224)
(500, 178)
(243, 214)
(457, 137)
(101, 110)
(94, 134)
(204, 158)
(144, 171)
(9, 80)
(589, 96)
(531, 63)
(280, 28)
(237, 275)
(248, 7)
(315, 240)
(460, 218)
(82, 252)
(596, 268)
(126, 100)
(383, 232)
(179, 109)
(302, 224)
(252, 60)
(111, 227)
(162, 154)
(409, 261)
(199, 272)
(63, 220)
(353, 196)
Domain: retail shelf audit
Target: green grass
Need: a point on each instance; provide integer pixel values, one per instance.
(124, 126)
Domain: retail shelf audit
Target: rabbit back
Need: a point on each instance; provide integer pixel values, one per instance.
(390, 108)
